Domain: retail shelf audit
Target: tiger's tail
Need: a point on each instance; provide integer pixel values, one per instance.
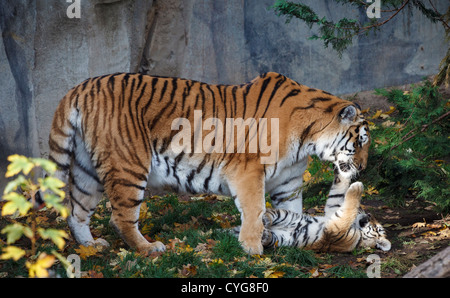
(62, 136)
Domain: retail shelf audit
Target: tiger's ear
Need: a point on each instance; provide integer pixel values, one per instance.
(348, 114)
(363, 219)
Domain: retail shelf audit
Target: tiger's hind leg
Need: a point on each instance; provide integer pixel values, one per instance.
(125, 190)
(84, 193)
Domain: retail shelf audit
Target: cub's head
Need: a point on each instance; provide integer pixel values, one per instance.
(373, 234)
(346, 141)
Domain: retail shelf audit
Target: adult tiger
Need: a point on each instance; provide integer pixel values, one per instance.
(115, 133)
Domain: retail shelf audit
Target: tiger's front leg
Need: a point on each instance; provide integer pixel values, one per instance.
(249, 194)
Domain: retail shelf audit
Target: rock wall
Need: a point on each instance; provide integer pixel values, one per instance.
(43, 52)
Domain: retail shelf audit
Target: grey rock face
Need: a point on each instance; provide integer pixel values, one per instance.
(44, 53)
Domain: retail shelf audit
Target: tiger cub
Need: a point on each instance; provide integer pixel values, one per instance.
(123, 132)
(344, 226)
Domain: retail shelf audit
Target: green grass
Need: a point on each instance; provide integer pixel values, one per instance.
(198, 245)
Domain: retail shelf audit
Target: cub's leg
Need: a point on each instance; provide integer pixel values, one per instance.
(125, 190)
(249, 193)
(84, 193)
(343, 218)
(337, 193)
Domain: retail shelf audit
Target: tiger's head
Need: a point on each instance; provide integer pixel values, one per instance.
(373, 234)
(346, 141)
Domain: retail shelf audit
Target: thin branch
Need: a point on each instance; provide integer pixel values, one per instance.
(385, 21)
(424, 127)
(440, 18)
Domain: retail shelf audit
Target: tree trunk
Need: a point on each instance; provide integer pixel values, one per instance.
(436, 267)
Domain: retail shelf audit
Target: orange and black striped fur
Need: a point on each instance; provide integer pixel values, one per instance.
(114, 134)
(344, 227)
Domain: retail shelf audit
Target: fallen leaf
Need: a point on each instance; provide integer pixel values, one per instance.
(440, 235)
(94, 274)
(187, 271)
(86, 251)
(377, 114)
(216, 262)
(371, 190)
(273, 274)
(412, 255)
(146, 228)
(307, 176)
(314, 272)
(388, 123)
(418, 225)
(130, 265)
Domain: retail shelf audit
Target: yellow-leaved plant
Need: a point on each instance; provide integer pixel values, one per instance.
(20, 198)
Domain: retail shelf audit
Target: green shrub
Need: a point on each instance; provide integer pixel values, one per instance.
(410, 150)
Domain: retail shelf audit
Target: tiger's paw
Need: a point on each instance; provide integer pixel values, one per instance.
(153, 247)
(356, 189)
(99, 243)
(253, 249)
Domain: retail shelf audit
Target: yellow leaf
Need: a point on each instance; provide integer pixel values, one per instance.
(273, 274)
(55, 235)
(12, 252)
(216, 262)
(377, 114)
(143, 212)
(86, 251)
(122, 253)
(365, 111)
(18, 164)
(39, 269)
(391, 110)
(268, 205)
(372, 125)
(371, 190)
(268, 272)
(277, 274)
(15, 202)
(307, 176)
(146, 228)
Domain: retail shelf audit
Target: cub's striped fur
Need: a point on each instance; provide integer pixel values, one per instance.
(114, 134)
(344, 227)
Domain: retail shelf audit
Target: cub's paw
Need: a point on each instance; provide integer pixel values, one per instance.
(356, 189)
(267, 220)
(235, 231)
(266, 237)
